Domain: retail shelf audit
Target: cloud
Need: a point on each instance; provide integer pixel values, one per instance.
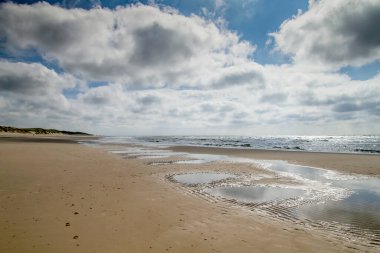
(275, 98)
(101, 96)
(154, 46)
(165, 73)
(237, 76)
(32, 79)
(32, 93)
(147, 104)
(372, 107)
(233, 110)
(333, 34)
(135, 45)
(149, 100)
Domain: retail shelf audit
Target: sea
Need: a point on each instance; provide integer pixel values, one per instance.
(369, 144)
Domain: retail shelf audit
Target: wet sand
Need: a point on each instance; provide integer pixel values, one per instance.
(60, 196)
(366, 164)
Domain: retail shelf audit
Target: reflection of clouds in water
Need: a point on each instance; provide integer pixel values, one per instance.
(255, 194)
(360, 210)
(201, 178)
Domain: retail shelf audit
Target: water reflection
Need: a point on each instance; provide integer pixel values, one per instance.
(255, 194)
(305, 172)
(201, 178)
(361, 210)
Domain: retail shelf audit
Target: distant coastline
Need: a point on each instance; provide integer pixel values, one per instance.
(39, 131)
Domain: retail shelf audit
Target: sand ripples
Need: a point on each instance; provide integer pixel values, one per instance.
(287, 210)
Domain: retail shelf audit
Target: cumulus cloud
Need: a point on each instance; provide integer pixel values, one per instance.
(304, 105)
(137, 45)
(165, 73)
(101, 96)
(237, 76)
(333, 34)
(320, 97)
(32, 79)
(155, 44)
(274, 98)
(30, 92)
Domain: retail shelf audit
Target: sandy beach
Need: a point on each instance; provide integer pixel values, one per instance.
(60, 196)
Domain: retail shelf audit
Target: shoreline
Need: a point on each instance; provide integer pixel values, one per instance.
(273, 150)
(67, 197)
(365, 164)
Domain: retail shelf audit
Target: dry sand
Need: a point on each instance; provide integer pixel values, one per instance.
(58, 196)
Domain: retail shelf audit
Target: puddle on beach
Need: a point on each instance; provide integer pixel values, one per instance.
(199, 158)
(255, 194)
(201, 178)
(361, 210)
(185, 161)
(323, 197)
(195, 161)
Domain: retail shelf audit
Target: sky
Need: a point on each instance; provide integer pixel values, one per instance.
(200, 67)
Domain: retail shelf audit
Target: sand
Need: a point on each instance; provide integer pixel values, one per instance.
(58, 196)
(366, 164)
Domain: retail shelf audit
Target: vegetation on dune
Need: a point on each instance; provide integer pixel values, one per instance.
(9, 129)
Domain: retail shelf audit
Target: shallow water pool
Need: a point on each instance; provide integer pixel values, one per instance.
(202, 178)
(361, 210)
(255, 194)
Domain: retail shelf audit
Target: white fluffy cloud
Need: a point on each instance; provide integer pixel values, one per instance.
(333, 34)
(33, 93)
(166, 73)
(138, 45)
(291, 102)
(32, 79)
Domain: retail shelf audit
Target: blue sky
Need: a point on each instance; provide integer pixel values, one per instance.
(246, 67)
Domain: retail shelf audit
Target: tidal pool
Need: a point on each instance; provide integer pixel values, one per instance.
(358, 210)
(255, 194)
(361, 210)
(351, 201)
(202, 178)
